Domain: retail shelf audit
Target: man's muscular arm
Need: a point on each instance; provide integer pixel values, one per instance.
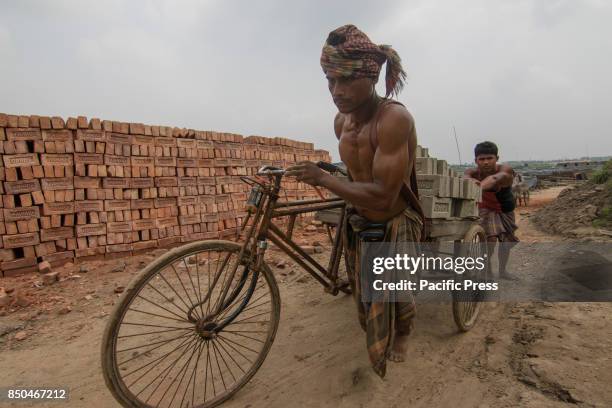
(503, 178)
(388, 167)
(471, 174)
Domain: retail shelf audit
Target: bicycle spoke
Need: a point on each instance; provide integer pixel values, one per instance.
(230, 356)
(206, 372)
(211, 287)
(197, 294)
(151, 344)
(199, 287)
(195, 375)
(154, 314)
(154, 348)
(250, 317)
(161, 275)
(229, 342)
(468, 310)
(220, 300)
(161, 307)
(243, 335)
(244, 331)
(245, 321)
(154, 332)
(183, 286)
(223, 359)
(256, 306)
(212, 381)
(210, 291)
(183, 370)
(219, 367)
(152, 325)
(167, 371)
(186, 343)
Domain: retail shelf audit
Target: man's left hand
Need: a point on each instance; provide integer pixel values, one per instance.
(307, 172)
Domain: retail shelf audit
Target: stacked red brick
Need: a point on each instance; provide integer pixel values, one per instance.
(38, 191)
(281, 152)
(79, 188)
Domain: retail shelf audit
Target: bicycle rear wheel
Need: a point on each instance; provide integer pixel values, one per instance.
(467, 303)
(171, 342)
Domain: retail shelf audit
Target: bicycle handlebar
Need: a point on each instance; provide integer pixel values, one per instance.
(330, 168)
(270, 171)
(277, 171)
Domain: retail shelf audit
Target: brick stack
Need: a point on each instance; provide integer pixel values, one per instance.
(91, 147)
(230, 196)
(58, 212)
(80, 188)
(281, 152)
(442, 191)
(23, 177)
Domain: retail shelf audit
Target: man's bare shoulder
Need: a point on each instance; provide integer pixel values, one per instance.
(396, 115)
(471, 172)
(506, 168)
(338, 123)
(395, 126)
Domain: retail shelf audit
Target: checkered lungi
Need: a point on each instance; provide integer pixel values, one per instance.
(381, 320)
(498, 224)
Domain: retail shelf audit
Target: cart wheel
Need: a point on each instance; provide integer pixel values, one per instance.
(466, 304)
(165, 345)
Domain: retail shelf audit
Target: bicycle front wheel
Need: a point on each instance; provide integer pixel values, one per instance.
(174, 340)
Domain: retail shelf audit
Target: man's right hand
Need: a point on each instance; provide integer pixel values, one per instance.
(307, 172)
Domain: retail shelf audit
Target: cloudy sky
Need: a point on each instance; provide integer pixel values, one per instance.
(535, 76)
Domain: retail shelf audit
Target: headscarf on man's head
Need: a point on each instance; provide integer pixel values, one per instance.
(349, 52)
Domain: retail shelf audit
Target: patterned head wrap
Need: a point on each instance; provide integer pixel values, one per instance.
(349, 52)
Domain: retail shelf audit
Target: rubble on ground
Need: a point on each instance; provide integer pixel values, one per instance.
(579, 211)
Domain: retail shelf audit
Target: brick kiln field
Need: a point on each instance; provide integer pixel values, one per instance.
(78, 188)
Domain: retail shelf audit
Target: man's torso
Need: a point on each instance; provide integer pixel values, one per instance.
(356, 151)
(500, 199)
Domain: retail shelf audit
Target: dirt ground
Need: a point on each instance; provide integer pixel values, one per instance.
(579, 213)
(529, 355)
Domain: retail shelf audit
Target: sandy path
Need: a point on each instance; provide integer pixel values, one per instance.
(529, 355)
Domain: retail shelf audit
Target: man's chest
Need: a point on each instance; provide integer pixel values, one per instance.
(355, 148)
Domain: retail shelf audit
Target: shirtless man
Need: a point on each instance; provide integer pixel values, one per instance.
(496, 209)
(377, 142)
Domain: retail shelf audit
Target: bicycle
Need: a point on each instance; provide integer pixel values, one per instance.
(218, 301)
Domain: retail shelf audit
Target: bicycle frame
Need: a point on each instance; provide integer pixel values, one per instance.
(263, 211)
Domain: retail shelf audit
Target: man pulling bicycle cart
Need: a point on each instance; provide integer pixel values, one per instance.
(195, 325)
(377, 142)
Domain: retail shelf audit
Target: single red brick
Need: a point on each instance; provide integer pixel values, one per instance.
(57, 122)
(95, 124)
(71, 123)
(45, 122)
(82, 122)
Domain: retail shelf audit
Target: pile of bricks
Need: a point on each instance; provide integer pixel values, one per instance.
(280, 152)
(79, 188)
(442, 191)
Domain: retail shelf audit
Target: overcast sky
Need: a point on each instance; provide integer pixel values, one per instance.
(533, 76)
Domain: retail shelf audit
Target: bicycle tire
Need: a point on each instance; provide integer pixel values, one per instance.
(110, 369)
(466, 307)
